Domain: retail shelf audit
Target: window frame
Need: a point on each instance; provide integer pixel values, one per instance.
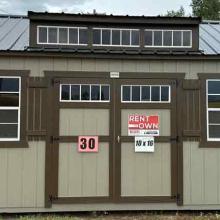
(150, 86)
(210, 109)
(172, 46)
(116, 45)
(203, 142)
(80, 100)
(13, 108)
(23, 141)
(58, 27)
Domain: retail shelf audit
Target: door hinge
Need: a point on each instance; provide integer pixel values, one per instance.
(53, 139)
(52, 198)
(174, 139)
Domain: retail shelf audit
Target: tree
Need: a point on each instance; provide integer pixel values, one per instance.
(207, 9)
(178, 13)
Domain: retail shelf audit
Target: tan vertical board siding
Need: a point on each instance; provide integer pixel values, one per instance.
(84, 122)
(74, 64)
(164, 117)
(145, 174)
(102, 65)
(45, 64)
(88, 65)
(83, 174)
(38, 65)
(201, 174)
(194, 68)
(22, 176)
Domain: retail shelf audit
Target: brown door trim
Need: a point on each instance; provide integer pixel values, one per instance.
(174, 148)
(52, 145)
(53, 139)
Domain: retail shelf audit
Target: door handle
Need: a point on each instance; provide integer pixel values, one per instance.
(118, 139)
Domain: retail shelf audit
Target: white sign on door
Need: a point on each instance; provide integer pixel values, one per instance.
(144, 144)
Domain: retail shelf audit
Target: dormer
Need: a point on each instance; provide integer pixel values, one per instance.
(60, 30)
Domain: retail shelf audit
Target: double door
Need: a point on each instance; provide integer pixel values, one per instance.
(100, 107)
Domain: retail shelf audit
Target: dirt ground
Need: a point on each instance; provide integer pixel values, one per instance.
(118, 216)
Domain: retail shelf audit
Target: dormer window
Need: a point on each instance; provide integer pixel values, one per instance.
(116, 37)
(62, 35)
(168, 38)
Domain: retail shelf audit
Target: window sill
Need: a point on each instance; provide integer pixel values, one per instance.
(13, 144)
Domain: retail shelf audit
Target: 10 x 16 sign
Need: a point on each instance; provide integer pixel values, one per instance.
(88, 144)
(144, 144)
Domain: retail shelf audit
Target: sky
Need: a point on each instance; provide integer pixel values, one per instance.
(116, 7)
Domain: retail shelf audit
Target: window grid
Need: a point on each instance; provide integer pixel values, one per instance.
(211, 110)
(150, 94)
(80, 93)
(117, 45)
(174, 46)
(12, 108)
(58, 30)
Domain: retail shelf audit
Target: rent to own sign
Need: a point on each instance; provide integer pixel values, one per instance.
(143, 125)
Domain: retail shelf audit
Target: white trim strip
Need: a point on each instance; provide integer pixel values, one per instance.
(211, 110)
(58, 28)
(80, 92)
(120, 45)
(18, 108)
(150, 101)
(172, 46)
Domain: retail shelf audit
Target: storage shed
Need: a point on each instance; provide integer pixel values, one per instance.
(103, 112)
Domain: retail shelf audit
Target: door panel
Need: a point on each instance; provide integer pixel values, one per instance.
(84, 121)
(146, 174)
(81, 174)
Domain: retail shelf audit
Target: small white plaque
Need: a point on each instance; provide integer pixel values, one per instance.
(114, 74)
(144, 144)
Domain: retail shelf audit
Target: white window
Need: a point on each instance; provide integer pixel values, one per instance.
(213, 109)
(168, 38)
(84, 93)
(116, 37)
(10, 108)
(145, 93)
(62, 35)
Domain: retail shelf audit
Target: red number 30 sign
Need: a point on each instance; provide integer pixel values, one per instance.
(88, 143)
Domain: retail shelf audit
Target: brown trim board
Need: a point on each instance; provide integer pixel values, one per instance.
(203, 141)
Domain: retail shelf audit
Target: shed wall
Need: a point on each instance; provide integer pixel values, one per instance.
(201, 174)
(22, 176)
(37, 66)
(25, 168)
